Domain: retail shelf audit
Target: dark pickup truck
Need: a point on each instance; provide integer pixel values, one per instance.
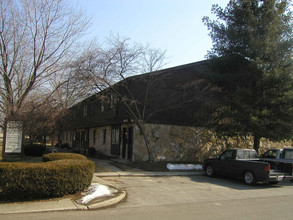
(279, 159)
(282, 155)
(244, 164)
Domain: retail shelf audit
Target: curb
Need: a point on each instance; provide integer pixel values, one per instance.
(60, 205)
(148, 174)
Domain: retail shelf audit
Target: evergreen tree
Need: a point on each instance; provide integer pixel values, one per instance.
(261, 32)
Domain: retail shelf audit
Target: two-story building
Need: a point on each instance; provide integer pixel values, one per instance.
(163, 113)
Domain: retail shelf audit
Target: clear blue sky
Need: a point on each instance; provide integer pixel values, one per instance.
(175, 25)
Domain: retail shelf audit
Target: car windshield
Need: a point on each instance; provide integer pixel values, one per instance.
(227, 155)
(270, 154)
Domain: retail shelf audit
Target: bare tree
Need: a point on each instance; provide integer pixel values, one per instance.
(39, 115)
(153, 60)
(35, 36)
(109, 68)
(102, 66)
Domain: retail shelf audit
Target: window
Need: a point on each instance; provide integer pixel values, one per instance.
(102, 107)
(104, 136)
(92, 109)
(115, 136)
(85, 108)
(288, 155)
(270, 154)
(94, 136)
(111, 101)
(227, 155)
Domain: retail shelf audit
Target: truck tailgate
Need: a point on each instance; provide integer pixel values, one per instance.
(278, 175)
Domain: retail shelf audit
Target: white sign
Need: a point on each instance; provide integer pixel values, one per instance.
(13, 139)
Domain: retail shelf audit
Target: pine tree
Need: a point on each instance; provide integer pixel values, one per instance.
(260, 31)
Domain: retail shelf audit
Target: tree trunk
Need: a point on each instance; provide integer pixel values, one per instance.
(44, 140)
(149, 150)
(52, 143)
(256, 143)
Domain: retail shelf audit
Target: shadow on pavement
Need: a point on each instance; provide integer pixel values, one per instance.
(236, 184)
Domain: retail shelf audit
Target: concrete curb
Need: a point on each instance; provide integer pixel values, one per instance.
(146, 174)
(34, 207)
(62, 204)
(58, 205)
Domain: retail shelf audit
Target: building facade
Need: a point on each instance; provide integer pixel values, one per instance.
(164, 114)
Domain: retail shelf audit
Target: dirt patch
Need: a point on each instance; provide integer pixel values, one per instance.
(141, 166)
(99, 168)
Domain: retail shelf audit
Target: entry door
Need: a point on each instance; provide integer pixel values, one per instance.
(115, 140)
(127, 143)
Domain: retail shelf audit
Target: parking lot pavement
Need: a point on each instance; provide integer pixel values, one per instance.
(153, 191)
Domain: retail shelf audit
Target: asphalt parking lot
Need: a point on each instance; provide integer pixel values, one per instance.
(185, 197)
(154, 191)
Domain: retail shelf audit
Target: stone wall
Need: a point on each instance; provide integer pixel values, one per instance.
(181, 143)
(1, 143)
(67, 137)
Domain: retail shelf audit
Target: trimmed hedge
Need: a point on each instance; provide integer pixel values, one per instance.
(26, 181)
(63, 156)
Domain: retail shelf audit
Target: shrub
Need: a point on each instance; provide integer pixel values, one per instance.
(27, 181)
(92, 152)
(62, 156)
(34, 150)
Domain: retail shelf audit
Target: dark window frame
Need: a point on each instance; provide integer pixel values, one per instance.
(104, 136)
(94, 136)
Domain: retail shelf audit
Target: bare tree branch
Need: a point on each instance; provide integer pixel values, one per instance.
(35, 36)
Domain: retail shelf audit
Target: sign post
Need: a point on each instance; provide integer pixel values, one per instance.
(13, 137)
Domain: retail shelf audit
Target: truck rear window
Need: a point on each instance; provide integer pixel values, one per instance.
(246, 154)
(288, 155)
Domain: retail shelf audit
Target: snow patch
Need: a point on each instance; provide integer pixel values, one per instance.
(171, 166)
(96, 190)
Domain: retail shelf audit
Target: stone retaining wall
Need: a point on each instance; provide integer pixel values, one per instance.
(182, 143)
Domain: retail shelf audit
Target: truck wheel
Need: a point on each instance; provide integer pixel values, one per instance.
(209, 171)
(249, 178)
